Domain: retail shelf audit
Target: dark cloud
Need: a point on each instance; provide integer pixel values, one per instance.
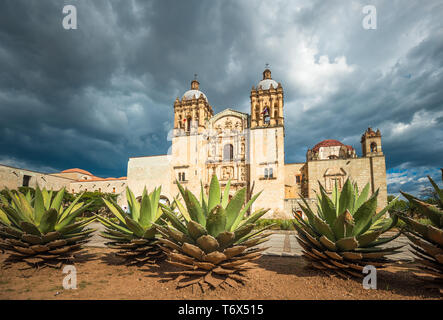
(94, 96)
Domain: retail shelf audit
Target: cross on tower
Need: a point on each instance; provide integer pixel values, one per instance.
(267, 66)
(195, 76)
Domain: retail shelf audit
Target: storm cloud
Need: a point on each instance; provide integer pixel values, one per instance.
(94, 96)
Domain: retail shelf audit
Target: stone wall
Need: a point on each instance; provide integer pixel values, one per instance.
(13, 178)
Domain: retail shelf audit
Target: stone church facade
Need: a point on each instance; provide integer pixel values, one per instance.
(247, 149)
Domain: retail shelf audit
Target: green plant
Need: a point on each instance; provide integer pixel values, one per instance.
(213, 239)
(427, 237)
(278, 224)
(134, 235)
(40, 230)
(344, 235)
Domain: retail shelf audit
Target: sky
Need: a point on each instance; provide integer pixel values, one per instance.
(94, 96)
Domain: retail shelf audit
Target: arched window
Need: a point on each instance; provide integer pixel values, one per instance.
(228, 152)
(373, 147)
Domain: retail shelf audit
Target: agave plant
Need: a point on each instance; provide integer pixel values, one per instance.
(134, 235)
(212, 240)
(41, 231)
(344, 235)
(427, 240)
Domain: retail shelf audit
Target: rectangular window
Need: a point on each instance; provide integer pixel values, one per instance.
(298, 178)
(271, 173)
(26, 180)
(266, 173)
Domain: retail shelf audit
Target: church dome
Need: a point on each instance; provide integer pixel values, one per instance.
(327, 143)
(195, 91)
(266, 84)
(189, 95)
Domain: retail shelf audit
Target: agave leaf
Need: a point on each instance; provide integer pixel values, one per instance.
(115, 210)
(154, 202)
(437, 190)
(26, 206)
(307, 210)
(251, 234)
(384, 210)
(173, 219)
(60, 225)
(194, 208)
(346, 200)
(182, 209)
(243, 211)
(134, 226)
(429, 210)
(146, 213)
(30, 228)
(58, 199)
(217, 220)
(381, 241)
(208, 243)
(48, 221)
(340, 224)
(150, 233)
(368, 237)
(74, 226)
(46, 199)
(203, 200)
(255, 216)
(243, 231)
(133, 204)
(4, 217)
(225, 238)
(361, 198)
(39, 206)
(363, 215)
(196, 230)
(214, 193)
(71, 207)
(225, 198)
(110, 224)
(16, 205)
(323, 228)
(327, 207)
(234, 206)
(347, 244)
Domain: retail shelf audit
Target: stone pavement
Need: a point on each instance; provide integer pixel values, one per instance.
(281, 243)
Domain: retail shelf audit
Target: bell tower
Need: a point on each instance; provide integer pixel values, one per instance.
(371, 143)
(192, 111)
(267, 102)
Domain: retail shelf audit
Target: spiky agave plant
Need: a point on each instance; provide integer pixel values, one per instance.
(41, 231)
(427, 240)
(344, 235)
(213, 240)
(134, 235)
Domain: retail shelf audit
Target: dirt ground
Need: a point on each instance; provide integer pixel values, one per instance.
(277, 278)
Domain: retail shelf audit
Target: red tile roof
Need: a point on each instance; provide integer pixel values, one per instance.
(327, 143)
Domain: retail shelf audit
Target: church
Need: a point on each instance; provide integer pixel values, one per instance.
(248, 149)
